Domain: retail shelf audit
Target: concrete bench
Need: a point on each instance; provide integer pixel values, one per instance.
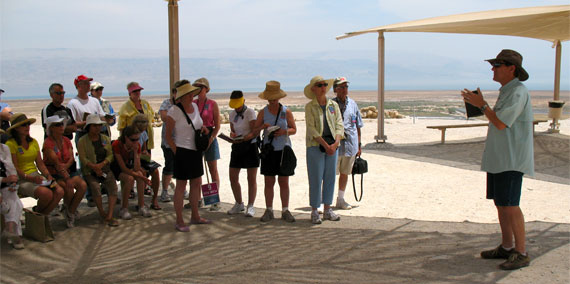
(445, 127)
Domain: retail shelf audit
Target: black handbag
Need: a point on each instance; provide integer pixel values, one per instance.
(201, 139)
(288, 160)
(360, 166)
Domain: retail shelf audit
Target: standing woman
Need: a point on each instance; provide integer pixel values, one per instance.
(245, 154)
(96, 155)
(168, 169)
(60, 162)
(210, 114)
(187, 160)
(26, 157)
(275, 114)
(134, 106)
(324, 131)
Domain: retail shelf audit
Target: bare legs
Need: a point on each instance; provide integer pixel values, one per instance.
(194, 197)
(283, 187)
(511, 220)
(47, 198)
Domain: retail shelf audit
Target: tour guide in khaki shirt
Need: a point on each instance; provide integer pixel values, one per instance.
(508, 154)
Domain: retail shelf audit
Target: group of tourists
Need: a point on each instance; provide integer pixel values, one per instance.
(55, 171)
(262, 140)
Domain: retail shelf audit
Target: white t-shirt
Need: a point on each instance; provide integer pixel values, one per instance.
(80, 106)
(184, 131)
(241, 126)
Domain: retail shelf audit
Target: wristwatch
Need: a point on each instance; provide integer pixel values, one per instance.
(483, 108)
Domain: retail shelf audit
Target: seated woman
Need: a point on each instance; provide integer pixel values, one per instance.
(26, 157)
(11, 206)
(140, 121)
(59, 160)
(127, 168)
(96, 155)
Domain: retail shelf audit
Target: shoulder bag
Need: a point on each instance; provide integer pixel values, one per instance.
(202, 140)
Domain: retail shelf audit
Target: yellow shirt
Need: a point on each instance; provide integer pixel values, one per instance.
(314, 120)
(26, 157)
(129, 111)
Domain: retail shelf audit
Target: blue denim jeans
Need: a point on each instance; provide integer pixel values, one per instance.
(321, 169)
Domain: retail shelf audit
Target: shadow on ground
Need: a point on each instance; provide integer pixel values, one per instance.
(236, 249)
(551, 154)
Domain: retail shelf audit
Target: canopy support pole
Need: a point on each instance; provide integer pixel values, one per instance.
(554, 126)
(381, 63)
(173, 45)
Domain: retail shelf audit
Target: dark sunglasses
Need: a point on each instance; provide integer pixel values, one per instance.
(136, 91)
(59, 93)
(498, 64)
(321, 85)
(342, 87)
(134, 139)
(26, 124)
(57, 124)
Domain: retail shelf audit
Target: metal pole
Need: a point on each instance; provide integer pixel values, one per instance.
(381, 63)
(173, 45)
(554, 125)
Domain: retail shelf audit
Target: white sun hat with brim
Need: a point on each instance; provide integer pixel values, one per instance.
(53, 119)
(309, 93)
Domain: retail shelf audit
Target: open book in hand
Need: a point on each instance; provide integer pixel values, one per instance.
(230, 139)
(472, 111)
(272, 129)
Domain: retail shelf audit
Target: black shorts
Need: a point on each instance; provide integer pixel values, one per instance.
(244, 155)
(168, 161)
(187, 164)
(271, 165)
(504, 188)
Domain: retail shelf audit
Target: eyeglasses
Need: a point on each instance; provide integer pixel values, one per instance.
(321, 85)
(498, 64)
(59, 93)
(136, 91)
(134, 139)
(57, 124)
(342, 87)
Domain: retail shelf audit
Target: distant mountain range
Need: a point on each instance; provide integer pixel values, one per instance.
(29, 72)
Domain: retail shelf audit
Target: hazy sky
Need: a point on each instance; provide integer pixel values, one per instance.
(267, 28)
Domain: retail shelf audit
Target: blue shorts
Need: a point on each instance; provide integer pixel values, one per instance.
(213, 153)
(504, 188)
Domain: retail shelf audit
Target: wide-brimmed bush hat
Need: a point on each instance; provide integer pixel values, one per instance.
(18, 119)
(202, 82)
(512, 57)
(309, 93)
(186, 89)
(272, 91)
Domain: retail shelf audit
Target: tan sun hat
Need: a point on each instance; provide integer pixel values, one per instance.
(272, 91)
(202, 82)
(19, 119)
(186, 89)
(309, 93)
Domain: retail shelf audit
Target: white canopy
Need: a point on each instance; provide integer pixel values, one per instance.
(550, 23)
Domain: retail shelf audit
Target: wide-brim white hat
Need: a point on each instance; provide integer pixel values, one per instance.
(308, 89)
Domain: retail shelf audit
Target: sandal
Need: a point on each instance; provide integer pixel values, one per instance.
(155, 207)
(202, 221)
(112, 222)
(187, 206)
(182, 228)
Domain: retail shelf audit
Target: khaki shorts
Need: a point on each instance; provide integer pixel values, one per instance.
(28, 188)
(95, 183)
(344, 164)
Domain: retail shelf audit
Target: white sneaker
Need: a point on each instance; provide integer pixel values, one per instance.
(143, 211)
(125, 215)
(341, 204)
(236, 209)
(186, 194)
(250, 211)
(316, 218)
(164, 197)
(330, 215)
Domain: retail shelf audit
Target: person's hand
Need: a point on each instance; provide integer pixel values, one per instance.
(473, 98)
(10, 179)
(280, 132)
(265, 125)
(37, 179)
(205, 130)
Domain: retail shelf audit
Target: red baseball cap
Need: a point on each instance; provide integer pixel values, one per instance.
(81, 78)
